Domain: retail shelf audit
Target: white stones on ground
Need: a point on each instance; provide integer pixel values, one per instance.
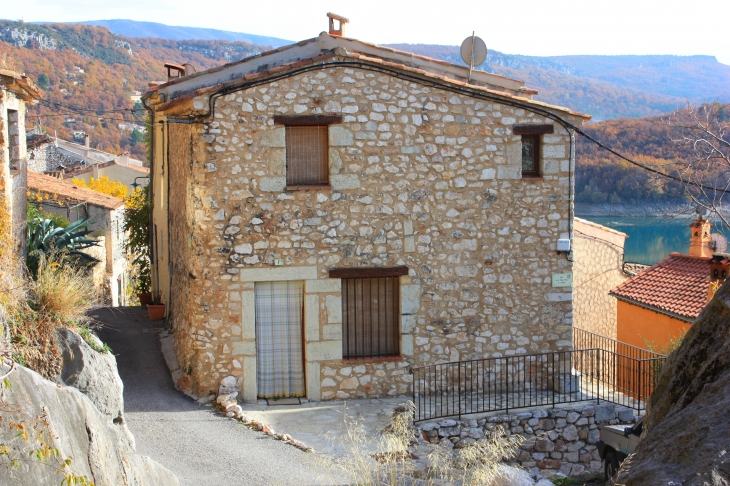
(229, 381)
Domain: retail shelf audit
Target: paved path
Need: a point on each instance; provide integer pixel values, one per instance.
(198, 445)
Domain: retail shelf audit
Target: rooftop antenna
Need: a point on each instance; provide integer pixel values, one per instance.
(473, 52)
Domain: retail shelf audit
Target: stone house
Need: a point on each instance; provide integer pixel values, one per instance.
(15, 91)
(106, 218)
(331, 213)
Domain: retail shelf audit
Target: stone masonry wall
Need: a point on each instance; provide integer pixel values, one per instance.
(599, 256)
(419, 176)
(559, 440)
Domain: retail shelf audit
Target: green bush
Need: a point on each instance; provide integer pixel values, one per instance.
(58, 220)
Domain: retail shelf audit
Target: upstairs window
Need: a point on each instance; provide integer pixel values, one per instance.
(530, 155)
(531, 147)
(307, 156)
(307, 149)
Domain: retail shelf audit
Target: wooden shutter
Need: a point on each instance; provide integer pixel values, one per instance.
(307, 156)
(371, 317)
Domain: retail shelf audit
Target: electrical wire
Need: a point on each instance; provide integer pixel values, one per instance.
(200, 119)
(209, 116)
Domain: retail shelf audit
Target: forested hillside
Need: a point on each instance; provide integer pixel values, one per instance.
(603, 177)
(135, 28)
(99, 75)
(606, 86)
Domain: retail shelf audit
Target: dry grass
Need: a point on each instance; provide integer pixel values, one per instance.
(63, 293)
(61, 296)
(385, 458)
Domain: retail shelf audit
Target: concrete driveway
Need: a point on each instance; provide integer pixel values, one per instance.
(198, 445)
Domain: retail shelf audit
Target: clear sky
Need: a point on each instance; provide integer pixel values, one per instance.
(532, 27)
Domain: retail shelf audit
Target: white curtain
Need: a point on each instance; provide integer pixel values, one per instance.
(279, 357)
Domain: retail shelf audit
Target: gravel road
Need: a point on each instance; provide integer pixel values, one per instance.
(201, 447)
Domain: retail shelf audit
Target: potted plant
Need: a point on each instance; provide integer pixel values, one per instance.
(142, 284)
(156, 309)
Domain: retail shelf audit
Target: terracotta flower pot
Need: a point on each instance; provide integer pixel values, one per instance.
(156, 311)
(145, 298)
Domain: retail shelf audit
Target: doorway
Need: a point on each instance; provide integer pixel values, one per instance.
(279, 344)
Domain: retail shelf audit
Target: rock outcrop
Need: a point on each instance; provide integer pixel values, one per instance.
(93, 374)
(687, 434)
(100, 448)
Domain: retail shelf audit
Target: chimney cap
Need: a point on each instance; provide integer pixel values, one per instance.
(342, 19)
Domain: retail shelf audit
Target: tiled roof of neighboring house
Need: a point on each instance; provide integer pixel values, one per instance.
(94, 156)
(73, 172)
(68, 191)
(391, 58)
(35, 140)
(677, 286)
(634, 268)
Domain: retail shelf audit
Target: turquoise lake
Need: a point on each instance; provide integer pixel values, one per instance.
(651, 239)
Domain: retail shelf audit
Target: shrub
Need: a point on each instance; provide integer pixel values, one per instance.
(137, 246)
(384, 458)
(56, 219)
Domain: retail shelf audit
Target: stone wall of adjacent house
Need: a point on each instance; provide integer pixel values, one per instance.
(599, 256)
(420, 177)
(214, 320)
(47, 158)
(561, 440)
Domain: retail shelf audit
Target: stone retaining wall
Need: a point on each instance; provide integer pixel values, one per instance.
(558, 440)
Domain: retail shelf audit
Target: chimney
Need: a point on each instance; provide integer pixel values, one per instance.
(87, 140)
(699, 241)
(174, 71)
(719, 271)
(341, 21)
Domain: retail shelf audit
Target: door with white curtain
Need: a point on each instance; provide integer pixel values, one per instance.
(279, 353)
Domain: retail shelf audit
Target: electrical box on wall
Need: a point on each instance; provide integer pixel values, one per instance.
(563, 244)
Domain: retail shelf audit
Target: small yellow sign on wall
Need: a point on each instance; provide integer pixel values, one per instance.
(562, 280)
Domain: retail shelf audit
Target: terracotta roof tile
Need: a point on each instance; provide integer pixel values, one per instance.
(677, 285)
(51, 185)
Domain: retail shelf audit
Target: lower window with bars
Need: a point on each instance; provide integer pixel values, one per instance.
(370, 317)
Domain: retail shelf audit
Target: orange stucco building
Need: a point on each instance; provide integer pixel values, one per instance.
(660, 304)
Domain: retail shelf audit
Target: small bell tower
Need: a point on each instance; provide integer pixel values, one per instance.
(699, 241)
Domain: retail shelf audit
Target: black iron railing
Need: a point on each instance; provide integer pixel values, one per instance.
(583, 339)
(546, 379)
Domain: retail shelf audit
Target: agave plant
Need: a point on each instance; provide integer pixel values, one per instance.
(44, 237)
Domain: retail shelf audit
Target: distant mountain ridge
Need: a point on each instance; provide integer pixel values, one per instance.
(605, 86)
(136, 28)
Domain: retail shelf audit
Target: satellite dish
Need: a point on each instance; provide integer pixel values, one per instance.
(718, 243)
(702, 211)
(473, 51)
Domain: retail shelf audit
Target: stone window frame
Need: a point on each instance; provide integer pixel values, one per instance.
(374, 272)
(533, 132)
(308, 121)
